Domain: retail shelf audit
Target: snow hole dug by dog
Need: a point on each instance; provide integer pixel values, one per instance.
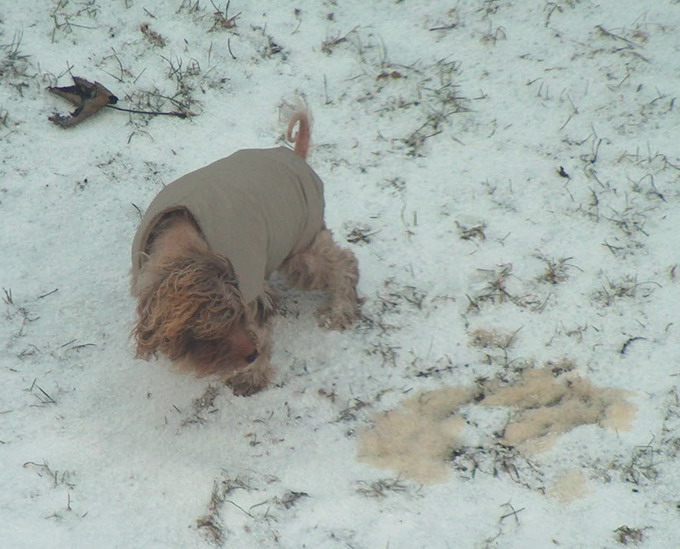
(417, 439)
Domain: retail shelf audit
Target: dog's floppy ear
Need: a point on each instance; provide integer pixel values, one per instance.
(192, 297)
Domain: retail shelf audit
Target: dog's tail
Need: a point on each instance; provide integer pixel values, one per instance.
(302, 137)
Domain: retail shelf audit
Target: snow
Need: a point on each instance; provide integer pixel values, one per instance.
(440, 131)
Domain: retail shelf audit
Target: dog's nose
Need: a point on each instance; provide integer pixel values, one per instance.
(252, 357)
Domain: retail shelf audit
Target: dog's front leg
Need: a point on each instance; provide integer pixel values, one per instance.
(260, 373)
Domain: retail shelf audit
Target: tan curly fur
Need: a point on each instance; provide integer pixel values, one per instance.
(193, 298)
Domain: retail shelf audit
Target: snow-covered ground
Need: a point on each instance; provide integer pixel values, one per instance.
(508, 175)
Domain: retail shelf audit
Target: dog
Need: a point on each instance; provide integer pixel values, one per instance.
(206, 247)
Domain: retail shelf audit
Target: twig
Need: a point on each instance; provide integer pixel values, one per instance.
(7, 298)
(625, 346)
(48, 293)
(229, 49)
(50, 400)
(513, 513)
(444, 27)
(238, 507)
(610, 34)
(153, 113)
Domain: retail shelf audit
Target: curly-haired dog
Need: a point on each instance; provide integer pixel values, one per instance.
(206, 246)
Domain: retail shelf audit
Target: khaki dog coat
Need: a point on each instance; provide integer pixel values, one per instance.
(255, 207)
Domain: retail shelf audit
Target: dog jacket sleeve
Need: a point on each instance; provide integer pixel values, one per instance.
(255, 207)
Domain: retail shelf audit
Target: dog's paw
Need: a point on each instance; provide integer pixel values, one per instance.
(252, 380)
(243, 387)
(337, 318)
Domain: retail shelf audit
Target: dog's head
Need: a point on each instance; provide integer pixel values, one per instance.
(192, 311)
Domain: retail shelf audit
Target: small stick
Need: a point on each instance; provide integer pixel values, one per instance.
(48, 293)
(625, 346)
(155, 113)
(229, 48)
(50, 399)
